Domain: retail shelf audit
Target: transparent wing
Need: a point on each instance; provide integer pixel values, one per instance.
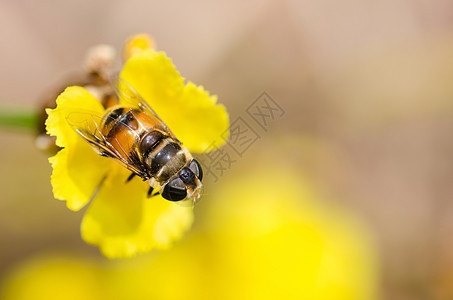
(86, 124)
(127, 96)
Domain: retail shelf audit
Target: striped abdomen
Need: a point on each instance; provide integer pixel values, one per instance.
(161, 154)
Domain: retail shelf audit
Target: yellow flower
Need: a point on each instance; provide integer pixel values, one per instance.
(121, 220)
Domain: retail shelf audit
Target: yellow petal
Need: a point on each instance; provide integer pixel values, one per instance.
(77, 169)
(122, 221)
(188, 110)
(74, 99)
(77, 172)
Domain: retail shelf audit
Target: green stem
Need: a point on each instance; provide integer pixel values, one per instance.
(19, 118)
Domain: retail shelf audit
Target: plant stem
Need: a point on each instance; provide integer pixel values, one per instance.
(19, 118)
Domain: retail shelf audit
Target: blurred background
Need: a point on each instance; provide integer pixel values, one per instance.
(367, 91)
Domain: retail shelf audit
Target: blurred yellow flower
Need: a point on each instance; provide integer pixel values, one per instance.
(136, 44)
(257, 242)
(286, 244)
(55, 277)
(121, 220)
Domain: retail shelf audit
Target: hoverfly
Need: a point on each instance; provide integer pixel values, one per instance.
(133, 134)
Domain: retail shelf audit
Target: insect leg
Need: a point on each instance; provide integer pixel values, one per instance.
(130, 177)
(150, 191)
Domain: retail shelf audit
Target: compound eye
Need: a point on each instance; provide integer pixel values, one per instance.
(196, 169)
(187, 176)
(175, 190)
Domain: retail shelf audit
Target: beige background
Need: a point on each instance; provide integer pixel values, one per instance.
(370, 80)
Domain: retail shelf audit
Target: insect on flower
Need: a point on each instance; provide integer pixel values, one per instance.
(132, 134)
